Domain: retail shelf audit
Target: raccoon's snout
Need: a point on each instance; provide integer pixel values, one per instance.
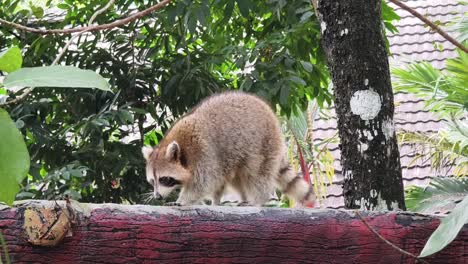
(158, 196)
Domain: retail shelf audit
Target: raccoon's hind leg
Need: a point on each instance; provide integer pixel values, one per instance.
(238, 185)
(258, 180)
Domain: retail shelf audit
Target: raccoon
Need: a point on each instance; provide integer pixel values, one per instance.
(229, 139)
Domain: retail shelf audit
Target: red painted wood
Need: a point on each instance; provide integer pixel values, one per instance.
(144, 234)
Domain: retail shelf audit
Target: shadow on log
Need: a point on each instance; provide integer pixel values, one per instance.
(109, 233)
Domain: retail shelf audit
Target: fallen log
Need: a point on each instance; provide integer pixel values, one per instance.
(110, 233)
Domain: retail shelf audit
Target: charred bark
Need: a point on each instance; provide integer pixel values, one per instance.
(354, 44)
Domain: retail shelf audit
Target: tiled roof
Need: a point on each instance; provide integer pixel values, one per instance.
(413, 43)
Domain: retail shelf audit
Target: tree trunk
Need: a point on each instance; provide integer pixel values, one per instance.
(354, 45)
(110, 233)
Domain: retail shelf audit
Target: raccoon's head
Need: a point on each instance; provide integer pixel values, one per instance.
(165, 169)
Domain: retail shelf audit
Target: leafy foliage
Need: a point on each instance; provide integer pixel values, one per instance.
(446, 96)
(86, 143)
(389, 16)
(440, 196)
(461, 26)
(445, 92)
(158, 67)
(10, 59)
(447, 230)
(14, 158)
(313, 158)
(447, 148)
(55, 76)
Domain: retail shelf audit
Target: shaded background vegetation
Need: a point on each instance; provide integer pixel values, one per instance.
(86, 143)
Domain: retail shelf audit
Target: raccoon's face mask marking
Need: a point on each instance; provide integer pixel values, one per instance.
(164, 172)
(165, 186)
(162, 185)
(168, 181)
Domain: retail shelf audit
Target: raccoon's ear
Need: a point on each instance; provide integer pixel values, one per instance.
(172, 151)
(146, 152)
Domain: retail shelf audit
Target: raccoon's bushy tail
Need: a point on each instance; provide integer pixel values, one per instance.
(293, 185)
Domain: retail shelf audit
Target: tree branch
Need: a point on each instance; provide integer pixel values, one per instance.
(82, 30)
(430, 24)
(91, 20)
(19, 97)
(114, 24)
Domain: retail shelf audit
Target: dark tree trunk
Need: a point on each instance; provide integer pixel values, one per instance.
(354, 44)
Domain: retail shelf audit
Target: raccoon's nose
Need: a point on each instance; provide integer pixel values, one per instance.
(158, 196)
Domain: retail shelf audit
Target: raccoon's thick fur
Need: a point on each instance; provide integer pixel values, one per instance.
(231, 138)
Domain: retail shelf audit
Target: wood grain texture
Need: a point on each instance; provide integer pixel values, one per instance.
(148, 234)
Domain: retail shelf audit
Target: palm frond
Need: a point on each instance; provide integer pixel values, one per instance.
(443, 150)
(461, 26)
(457, 69)
(445, 92)
(440, 196)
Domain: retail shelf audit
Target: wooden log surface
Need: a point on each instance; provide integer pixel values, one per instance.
(110, 233)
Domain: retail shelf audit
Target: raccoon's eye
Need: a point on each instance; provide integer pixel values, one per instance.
(168, 181)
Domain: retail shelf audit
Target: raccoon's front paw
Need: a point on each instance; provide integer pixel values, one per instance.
(244, 204)
(173, 204)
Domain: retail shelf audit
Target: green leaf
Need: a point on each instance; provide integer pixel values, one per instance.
(447, 230)
(14, 158)
(37, 11)
(284, 95)
(297, 123)
(10, 59)
(441, 195)
(56, 76)
(297, 80)
(388, 14)
(244, 7)
(228, 10)
(306, 16)
(63, 6)
(462, 28)
(73, 194)
(390, 27)
(308, 67)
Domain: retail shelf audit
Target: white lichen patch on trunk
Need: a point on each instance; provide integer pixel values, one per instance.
(363, 203)
(344, 32)
(363, 147)
(395, 207)
(388, 129)
(348, 174)
(368, 135)
(381, 203)
(366, 82)
(323, 26)
(366, 104)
